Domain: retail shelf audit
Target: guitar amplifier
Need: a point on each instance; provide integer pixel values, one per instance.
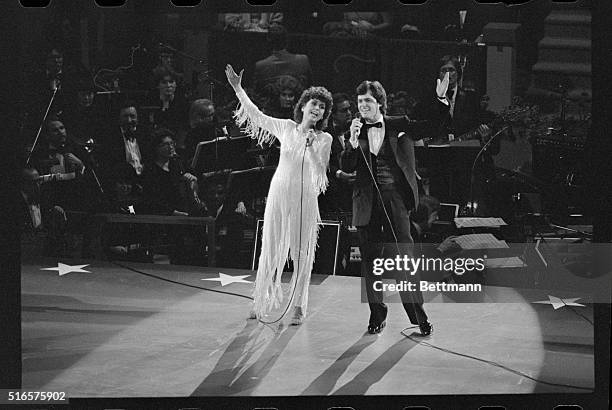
(326, 254)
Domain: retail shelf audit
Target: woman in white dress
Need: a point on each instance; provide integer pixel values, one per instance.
(290, 220)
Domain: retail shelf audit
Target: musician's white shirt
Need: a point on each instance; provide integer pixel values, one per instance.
(132, 153)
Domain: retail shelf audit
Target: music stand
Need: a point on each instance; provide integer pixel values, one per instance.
(248, 184)
(447, 213)
(221, 153)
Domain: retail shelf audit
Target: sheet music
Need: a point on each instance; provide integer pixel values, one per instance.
(474, 222)
(509, 262)
(480, 241)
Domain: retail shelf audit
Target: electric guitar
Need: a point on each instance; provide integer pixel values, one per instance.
(505, 117)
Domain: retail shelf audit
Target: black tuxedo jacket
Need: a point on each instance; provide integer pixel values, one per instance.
(403, 150)
(114, 156)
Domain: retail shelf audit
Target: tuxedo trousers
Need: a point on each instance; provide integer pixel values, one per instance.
(387, 236)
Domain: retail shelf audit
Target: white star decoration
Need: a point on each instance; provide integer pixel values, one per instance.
(559, 303)
(229, 279)
(63, 269)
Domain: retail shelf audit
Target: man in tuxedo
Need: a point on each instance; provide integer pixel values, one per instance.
(381, 151)
(124, 145)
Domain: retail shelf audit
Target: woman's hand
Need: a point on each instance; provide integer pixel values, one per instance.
(234, 79)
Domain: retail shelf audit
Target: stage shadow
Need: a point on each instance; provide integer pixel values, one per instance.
(325, 383)
(47, 352)
(233, 374)
(569, 355)
(372, 374)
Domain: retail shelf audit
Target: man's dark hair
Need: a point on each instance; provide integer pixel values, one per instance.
(51, 118)
(127, 104)
(338, 98)
(312, 93)
(54, 50)
(377, 91)
(454, 61)
(277, 37)
(160, 72)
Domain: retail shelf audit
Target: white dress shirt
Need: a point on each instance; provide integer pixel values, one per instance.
(132, 153)
(376, 136)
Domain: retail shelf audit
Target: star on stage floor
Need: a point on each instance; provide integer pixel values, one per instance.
(63, 269)
(229, 279)
(559, 303)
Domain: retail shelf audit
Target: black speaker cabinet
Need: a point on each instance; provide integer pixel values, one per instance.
(326, 255)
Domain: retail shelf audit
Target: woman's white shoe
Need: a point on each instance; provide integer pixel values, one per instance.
(298, 316)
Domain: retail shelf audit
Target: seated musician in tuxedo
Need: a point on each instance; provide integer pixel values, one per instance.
(57, 157)
(67, 183)
(123, 143)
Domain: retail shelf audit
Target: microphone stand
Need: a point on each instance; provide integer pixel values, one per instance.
(482, 150)
(42, 123)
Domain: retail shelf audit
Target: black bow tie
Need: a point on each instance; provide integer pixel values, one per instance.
(375, 125)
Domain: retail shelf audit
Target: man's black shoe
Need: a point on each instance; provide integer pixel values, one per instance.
(426, 328)
(376, 328)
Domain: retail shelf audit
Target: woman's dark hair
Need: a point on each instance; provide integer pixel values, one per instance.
(158, 135)
(454, 61)
(377, 91)
(314, 93)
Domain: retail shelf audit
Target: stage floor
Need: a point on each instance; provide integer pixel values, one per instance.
(115, 332)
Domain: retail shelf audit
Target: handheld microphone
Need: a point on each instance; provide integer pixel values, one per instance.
(310, 137)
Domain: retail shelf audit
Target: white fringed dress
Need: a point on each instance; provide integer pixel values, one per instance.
(298, 180)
